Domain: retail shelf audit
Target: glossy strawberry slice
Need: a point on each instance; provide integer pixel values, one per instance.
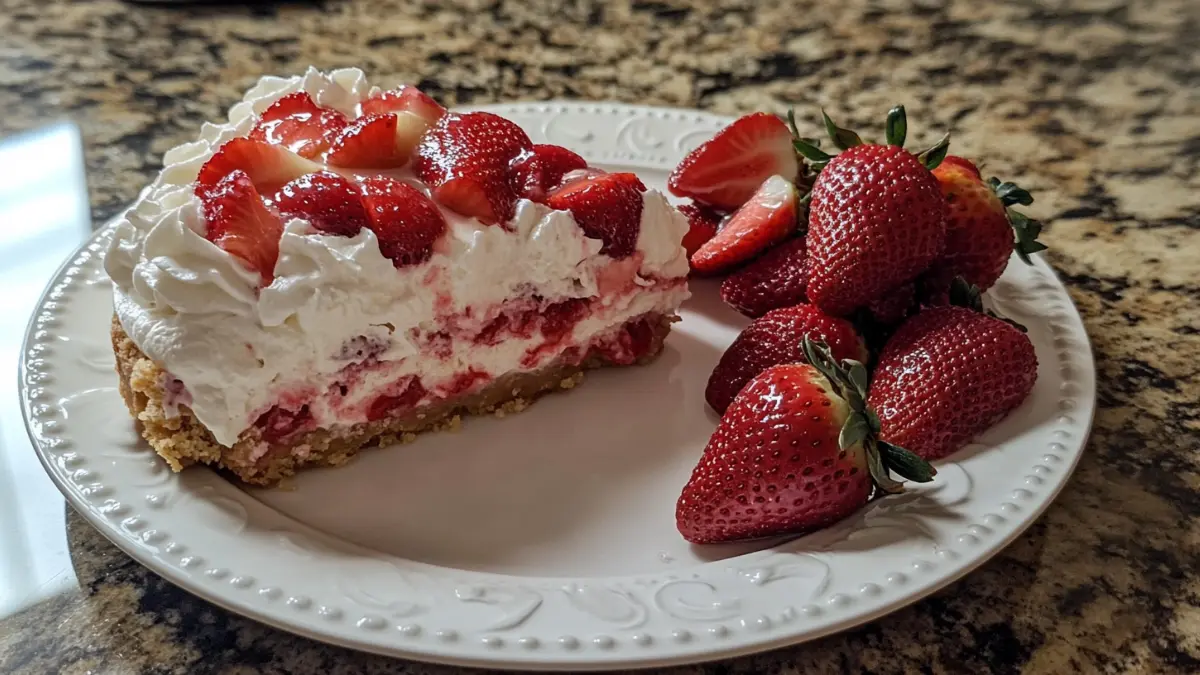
(725, 171)
(268, 166)
(377, 141)
(607, 207)
(405, 98)
(768, 218)
(239, 222)
(404, 220)
(297, 123)
(465, 158)
(331, 203)
(540, 170)
(703, 224)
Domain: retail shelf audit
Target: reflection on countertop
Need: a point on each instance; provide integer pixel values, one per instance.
(1090, 105)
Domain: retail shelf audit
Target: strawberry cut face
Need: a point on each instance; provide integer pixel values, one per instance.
(377, 141)
(768, 218)
(297, 123)
(725, 171)
(238, 222)
(405, 98)
(267, 166)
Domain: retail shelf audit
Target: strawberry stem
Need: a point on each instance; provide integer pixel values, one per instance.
(1026, 228)
(897, 126)
(850, 380)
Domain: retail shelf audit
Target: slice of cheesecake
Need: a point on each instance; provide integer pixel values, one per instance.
(338, 267)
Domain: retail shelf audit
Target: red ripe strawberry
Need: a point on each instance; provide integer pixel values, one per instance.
(297, 123)
(403, 219)
(541, 169)
(776, 279)
(979, 228)
(239, 222)
(268, 166)
(331, 203)
(377, 141)
(796, 451)
(465, 159)
(776, 338)
(876, 220)
(892, 308)
(768, 218)
(703, 224)
(725, 171)
(405, 98)
(948, 374)
(607, 207)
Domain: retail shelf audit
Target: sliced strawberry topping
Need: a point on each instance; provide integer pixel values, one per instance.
(410, 394)
(277, 424)
(377, 141)
(268, 166)
(607, 207)
(725, 171)
(297, 123)
(240, 223)
(703, 224)
(405, 98)
(404, 220)
(331, 203)
(540, 170)
(465, 159)
(769, 217)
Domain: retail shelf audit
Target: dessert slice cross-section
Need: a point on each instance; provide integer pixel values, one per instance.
(275, 310)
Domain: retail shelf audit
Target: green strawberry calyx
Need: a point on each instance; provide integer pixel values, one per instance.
(844, 139)
(966, 294)
(1026, 228)
(849, 379)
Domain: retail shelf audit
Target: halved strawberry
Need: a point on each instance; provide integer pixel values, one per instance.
(405, 98)
(403, 219)
(465, 159)
(331, 203)
(377, 141)
(769, 217)
(297, 123)
(703, 224)
(541, 169)
(607, 207)
(239, 222)
(726, 170)
(268, 166)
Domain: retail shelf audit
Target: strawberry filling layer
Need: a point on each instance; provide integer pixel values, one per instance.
(357, 394)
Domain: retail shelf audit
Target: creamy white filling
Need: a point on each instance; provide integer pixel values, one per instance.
(197, 311)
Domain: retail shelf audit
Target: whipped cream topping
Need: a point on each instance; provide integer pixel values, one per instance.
(198, 312)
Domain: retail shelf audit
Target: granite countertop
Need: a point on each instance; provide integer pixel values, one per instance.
(1093, 105)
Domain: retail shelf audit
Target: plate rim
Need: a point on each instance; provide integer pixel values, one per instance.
(531, 659)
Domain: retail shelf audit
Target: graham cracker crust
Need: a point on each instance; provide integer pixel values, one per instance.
(182, 440)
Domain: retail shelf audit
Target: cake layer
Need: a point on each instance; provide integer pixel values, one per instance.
(182, 440)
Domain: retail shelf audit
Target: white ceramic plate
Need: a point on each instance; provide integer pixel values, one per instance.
(546, 540)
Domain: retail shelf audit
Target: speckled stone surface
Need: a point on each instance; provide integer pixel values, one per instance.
(1095, 106)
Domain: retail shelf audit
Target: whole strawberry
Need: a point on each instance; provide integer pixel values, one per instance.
(980, 226)
(796, 451)
(877, 218)
(776, 338)
(775, 279)
(946, 375)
